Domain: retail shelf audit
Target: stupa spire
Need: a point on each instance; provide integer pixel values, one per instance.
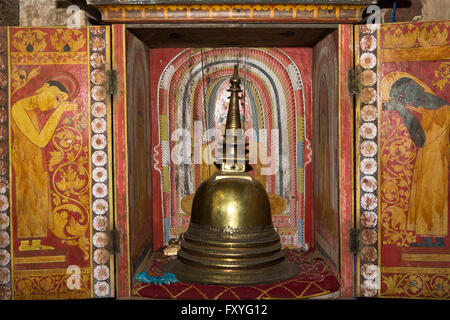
(234, 151)
(234, 114)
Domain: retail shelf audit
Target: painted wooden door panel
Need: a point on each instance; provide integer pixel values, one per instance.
(132, 127)
(55, 159)
(403, 160)
(332, 151)
(139, 147)
(325, 142)
(346, 160)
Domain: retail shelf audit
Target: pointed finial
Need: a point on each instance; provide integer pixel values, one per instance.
(234, 152)
(235, 78)
(234, 114)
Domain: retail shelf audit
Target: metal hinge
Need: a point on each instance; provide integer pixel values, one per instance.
(111, 82)
(354, 240)
(113, 245)
(354, 81)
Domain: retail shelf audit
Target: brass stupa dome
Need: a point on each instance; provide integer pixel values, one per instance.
(231, 238)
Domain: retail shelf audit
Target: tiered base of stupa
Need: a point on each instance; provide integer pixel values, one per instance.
(231, 257)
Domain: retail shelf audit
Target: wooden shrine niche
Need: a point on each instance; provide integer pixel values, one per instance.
(73, 255)
(281, 91)
(353, 178)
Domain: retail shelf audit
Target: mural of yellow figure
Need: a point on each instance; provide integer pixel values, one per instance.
(32, 185)
(428, 201)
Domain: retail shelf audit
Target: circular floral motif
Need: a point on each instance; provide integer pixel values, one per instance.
(368, 95)
(4, 203)
(98, 109)
(369, 219)
(368, 166)
(66, 142)
(3, 97)
(369, 148)
(98, 93)
(99, 174)
(100, 239)
(369, 271)
(4, 185)
(101, 272)
(389, 191)
(97, 30)
(368, 60)
(368, 183)
(97, 44)
(24, 286)
(5, 275)
(369, 201)
(100, 206)
(100, 223)
(369, 288)
(100, 190)
(4, 239)
(369, 236)
(99, 141)
(98, 76)
(440, 286)
(101, 256)
(101, 289)
(3, 115)
(3, 63)
(368, 78)
(99, 158)
(4, 221)
(4, 148)
(4, 168)
(3, 132)
(368, 28)
(47, 284)
(5, 293)
(369, 253)
(414, 284)
(97, 60)
(368, 130)
(3, 80)
(5, 257)
(98, 125)
(3, 45)
(368, 43)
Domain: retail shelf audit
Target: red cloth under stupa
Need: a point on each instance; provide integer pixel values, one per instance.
(316, 277)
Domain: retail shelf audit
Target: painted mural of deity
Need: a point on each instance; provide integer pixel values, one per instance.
(428, 200)
(34, 121)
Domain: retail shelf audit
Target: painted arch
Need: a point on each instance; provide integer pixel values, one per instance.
(193, 87)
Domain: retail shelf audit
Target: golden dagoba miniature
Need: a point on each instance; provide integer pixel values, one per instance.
(231, 238)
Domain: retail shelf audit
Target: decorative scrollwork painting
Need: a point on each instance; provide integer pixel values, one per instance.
(58, 180)
(412, 253)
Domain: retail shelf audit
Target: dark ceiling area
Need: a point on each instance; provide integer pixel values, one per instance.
(230, 36)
